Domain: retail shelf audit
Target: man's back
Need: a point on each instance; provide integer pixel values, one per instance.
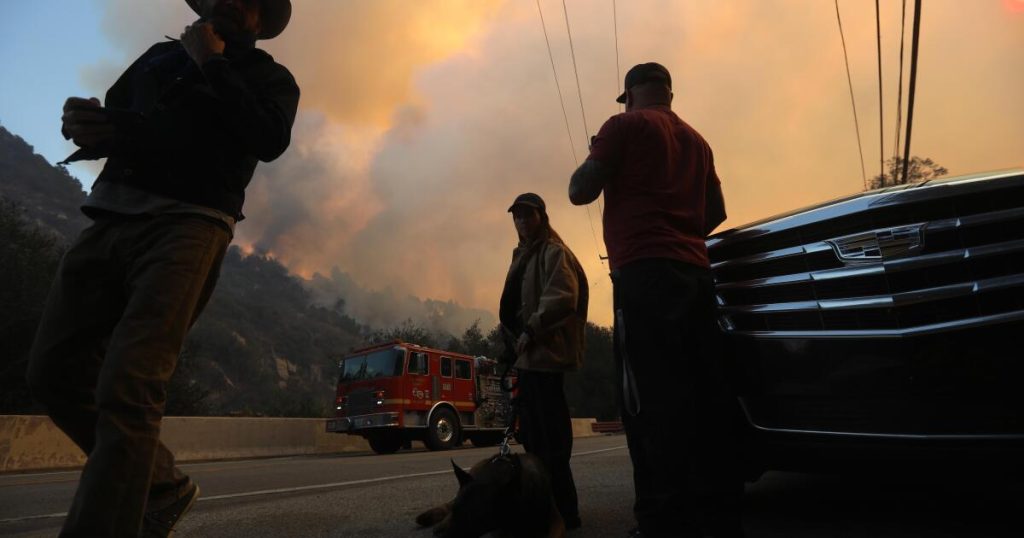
(655, 201)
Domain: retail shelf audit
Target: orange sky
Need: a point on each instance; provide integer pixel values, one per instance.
(421, 121)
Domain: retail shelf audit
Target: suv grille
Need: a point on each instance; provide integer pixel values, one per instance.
(904, 269)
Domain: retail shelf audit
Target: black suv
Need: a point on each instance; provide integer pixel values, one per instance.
(884, 321)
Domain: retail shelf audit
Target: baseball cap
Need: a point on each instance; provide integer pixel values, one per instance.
(529, 199)
(641, 73)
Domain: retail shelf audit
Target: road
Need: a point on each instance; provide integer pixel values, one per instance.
(368, 495)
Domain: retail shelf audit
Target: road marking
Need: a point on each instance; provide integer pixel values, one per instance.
(358, 482)
(320, 486)
(279, 491)
(55, 477)
(598, 451)
(29, 518)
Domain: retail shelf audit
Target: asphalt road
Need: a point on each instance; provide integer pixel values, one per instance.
(366, 495)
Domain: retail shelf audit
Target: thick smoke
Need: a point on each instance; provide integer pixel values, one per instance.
(421, 121)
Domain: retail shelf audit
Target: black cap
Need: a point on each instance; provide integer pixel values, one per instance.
(529, 199)
(648, 72)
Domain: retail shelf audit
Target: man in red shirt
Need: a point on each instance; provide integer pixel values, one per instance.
(662, 199)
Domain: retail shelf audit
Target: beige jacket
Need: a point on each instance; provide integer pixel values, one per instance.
(546, 295)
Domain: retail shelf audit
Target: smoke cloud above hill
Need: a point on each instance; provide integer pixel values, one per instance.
(421, 121)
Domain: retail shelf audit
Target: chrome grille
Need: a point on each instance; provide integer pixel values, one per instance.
(962, 265)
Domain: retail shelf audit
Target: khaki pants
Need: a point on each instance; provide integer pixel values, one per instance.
(124, 297)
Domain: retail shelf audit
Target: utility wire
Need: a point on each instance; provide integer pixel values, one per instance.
(565, 115)
(849, 80)
(561, 100)
(579, 88)
(572, 51)
(899, 100)
(615, 26)
(881, 117)
(913, 87)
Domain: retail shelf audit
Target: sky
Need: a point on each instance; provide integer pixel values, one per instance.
(421, 121)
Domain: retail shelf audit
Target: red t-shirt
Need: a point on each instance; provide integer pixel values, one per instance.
(654, 202)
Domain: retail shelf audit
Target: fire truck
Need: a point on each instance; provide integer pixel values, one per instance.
(392, 394)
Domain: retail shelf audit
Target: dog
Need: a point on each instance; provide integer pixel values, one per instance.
(508, 494)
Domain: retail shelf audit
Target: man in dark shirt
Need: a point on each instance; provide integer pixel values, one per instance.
(182, 131)
(662, 199)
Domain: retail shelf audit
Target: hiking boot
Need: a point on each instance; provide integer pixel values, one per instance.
(160, 523)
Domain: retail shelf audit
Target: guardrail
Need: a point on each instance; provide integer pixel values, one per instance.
(607, 427)
(33, 442)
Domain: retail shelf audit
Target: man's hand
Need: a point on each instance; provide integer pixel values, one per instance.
(523, 342)
(201, 42)
(85, 123)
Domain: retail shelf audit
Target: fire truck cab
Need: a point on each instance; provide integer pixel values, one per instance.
(395, 393)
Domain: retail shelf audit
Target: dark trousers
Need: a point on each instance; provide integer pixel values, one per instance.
(124, 297)
(682, 438)
(545, 430)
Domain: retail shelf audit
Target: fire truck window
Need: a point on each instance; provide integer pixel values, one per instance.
(418, 363)
(381, 363)
(446, 366)
(462, 370)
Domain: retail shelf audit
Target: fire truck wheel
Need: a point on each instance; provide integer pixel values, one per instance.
(443, 432)
(385, 444)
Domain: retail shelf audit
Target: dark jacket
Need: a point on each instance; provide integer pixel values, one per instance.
(546, 295)
(199, 132)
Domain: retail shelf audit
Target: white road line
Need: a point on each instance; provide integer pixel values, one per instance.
(598, 451)
(47, 473)
(320, 486)
(358, 482)
(28, 518)
(306, 488)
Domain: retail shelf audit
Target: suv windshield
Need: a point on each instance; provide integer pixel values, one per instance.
(382, 363)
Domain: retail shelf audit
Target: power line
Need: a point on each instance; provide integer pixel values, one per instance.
(565, 115)
(572, 51)
(579, 89)
(615, 26)
(849, 80)
(881, 116)
(913, 87)
(899, 100)
(561, 100)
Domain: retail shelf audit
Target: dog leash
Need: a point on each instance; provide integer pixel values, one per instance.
(510, 430)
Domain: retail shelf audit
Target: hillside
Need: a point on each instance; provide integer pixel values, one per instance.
(48, 195)
(268, 342)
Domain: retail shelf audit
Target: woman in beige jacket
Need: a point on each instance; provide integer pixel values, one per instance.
(544, 311)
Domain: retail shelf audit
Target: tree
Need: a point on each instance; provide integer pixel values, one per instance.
(408, 331)
(919, 170)
(28, 261)
(592, 391)
(185, 392)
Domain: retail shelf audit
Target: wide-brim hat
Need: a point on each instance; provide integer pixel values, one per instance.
(274, 16)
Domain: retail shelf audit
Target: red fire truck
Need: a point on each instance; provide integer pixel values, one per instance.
(394, 393)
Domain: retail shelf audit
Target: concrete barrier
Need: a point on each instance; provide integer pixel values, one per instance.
(31, 442)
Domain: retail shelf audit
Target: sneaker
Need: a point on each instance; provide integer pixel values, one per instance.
(160, 523)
